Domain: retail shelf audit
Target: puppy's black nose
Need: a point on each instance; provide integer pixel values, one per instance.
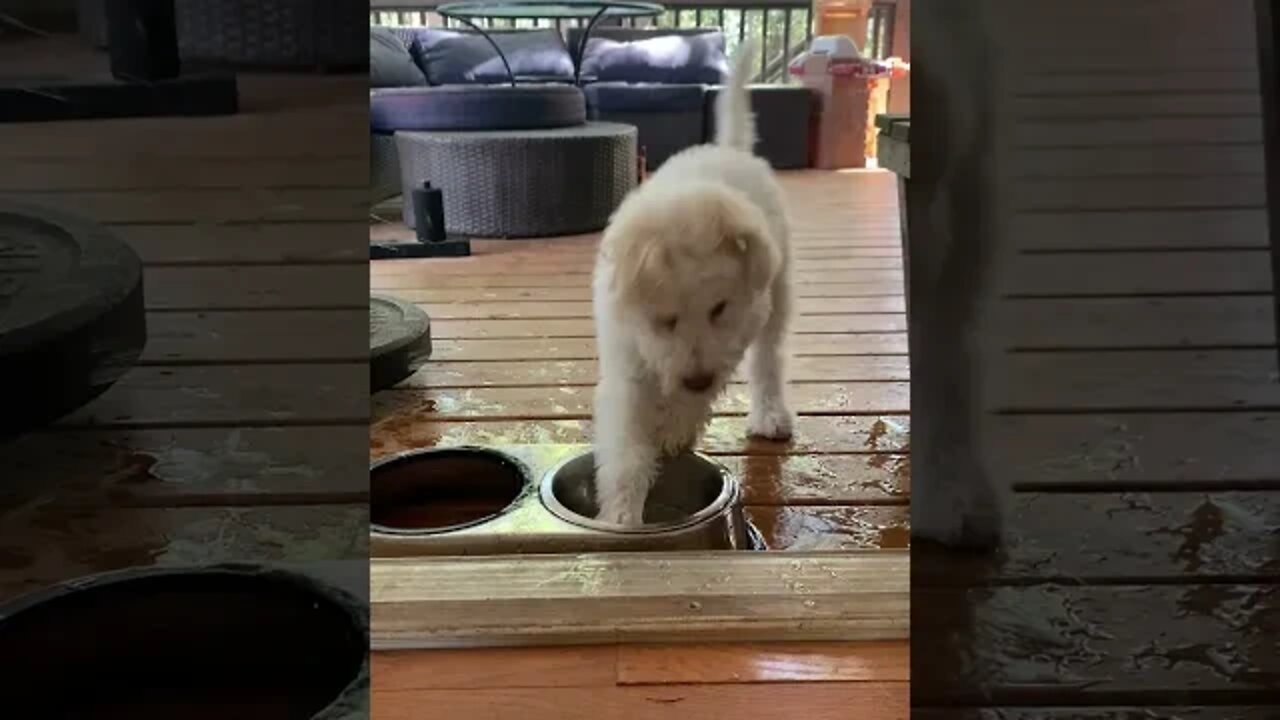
(698, 383)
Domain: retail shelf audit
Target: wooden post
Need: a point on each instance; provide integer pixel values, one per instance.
(1269, 78)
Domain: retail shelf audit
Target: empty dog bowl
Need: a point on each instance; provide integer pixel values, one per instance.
(692, 496)
(223, 642)
(441, 490)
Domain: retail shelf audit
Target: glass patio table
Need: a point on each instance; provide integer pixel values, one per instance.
(468, 11)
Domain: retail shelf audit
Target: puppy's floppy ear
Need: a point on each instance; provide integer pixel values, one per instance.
(639, 267)
(760, 257)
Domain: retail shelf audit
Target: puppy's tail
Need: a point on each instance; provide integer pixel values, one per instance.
(735, 123)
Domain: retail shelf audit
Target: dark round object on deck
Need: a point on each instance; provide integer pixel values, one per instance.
(399, 340)
(443, 489)
(71, 314)
(476, 107)
(218, 642)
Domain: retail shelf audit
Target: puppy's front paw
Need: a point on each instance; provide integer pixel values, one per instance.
(621, 516)
(771, 423)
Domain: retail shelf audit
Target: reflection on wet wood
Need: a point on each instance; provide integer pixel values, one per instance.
(762, 663)
(483, 668)
(43, 543)
(1127, 644)
(829, 529)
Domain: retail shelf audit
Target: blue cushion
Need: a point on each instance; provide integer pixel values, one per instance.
(667, 59)
(476, 107)
(450, 57)
(390, 63)
(627, 97)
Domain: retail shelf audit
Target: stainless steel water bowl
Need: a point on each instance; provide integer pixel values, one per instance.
(217, 642)
(443, 490)
(693, 499)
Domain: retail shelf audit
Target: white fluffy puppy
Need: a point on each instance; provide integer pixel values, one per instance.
(692, 274)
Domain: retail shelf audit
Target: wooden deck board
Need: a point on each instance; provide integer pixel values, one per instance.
(1132, 323)
(836, 434)
(580, 348)
(1147, 537)
(421, 401)
(583, 328)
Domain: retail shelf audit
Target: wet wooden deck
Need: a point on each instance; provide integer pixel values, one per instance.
(240, 435)
(1137, 410)
(514, 363)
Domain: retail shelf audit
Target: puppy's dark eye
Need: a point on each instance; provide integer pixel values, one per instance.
(718, 310)
(668, 323)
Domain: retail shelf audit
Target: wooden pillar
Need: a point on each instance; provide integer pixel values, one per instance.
(1268, 13)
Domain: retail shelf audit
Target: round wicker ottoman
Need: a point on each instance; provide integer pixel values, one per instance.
(522, 183)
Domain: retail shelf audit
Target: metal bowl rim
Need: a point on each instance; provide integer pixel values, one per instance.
(722, 505)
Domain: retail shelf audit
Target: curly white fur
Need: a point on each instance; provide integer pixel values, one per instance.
(693, 274)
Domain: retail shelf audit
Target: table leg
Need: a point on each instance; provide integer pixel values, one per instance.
(582, 44)
(1268, 15)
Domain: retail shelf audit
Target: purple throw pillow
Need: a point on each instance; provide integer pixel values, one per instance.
(667, 59)
(449, 57)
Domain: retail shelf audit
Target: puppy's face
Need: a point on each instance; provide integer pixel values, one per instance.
(691, 278)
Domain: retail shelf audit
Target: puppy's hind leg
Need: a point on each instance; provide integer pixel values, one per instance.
(626, 460)
(770, 416)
